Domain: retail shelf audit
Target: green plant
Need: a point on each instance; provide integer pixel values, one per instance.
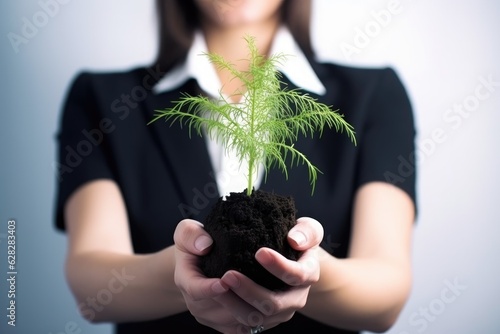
(263, 127)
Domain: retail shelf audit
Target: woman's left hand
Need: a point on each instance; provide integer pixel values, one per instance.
(270, 308)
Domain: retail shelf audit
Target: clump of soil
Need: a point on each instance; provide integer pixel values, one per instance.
(240, 225)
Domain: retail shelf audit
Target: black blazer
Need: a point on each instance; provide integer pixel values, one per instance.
(165, 175)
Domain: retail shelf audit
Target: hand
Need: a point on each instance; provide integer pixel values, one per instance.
(198, 291)
(246, 304)
(253, 305)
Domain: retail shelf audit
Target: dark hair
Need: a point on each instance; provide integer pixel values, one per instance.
(178, 19)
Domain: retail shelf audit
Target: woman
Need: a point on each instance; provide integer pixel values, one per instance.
(126, 188)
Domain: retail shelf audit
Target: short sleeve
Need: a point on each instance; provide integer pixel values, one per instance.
(82, 148)
(387, 145)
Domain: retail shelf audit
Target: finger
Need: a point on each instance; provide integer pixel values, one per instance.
(307, 233)
(191, 281)
(277, 307)
(252, 293)
(253, 305)
(304, 271)
(203, 288)
(212, 314)
(240, 310)
(190, 237)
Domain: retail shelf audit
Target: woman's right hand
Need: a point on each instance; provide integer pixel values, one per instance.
(200, 293)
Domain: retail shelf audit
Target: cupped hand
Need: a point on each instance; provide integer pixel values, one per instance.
(199, 292)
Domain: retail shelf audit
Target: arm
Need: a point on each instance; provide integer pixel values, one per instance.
(367, 290)
(110, 282)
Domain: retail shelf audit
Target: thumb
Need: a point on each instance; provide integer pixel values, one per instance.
(307, 233)
(190, 237)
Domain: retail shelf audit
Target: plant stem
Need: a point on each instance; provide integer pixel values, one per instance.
(251, 155)
(250, 177)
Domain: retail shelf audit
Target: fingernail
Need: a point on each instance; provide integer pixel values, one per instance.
(263, 257)
(217, 287)
(298, 237)
(231, 280)
(202, 243)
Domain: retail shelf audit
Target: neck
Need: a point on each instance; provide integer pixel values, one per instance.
(229, 43)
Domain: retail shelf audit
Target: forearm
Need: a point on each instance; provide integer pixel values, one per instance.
(359, 294)
(120, 287)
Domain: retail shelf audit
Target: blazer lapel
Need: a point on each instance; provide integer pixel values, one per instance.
(186, 157)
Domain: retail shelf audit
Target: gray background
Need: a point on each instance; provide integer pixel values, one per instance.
(441, 49)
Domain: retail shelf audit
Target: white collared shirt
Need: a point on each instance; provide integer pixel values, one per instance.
(230, 174)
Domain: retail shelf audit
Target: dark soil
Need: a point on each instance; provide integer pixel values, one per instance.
(240, 225)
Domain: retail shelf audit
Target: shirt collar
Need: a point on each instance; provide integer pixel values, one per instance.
(297, 69)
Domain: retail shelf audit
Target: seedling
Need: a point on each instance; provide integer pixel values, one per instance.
(262, 129)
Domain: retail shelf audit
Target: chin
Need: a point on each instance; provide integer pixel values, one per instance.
(234, 13)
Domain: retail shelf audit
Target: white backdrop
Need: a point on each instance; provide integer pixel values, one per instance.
(446, 53)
